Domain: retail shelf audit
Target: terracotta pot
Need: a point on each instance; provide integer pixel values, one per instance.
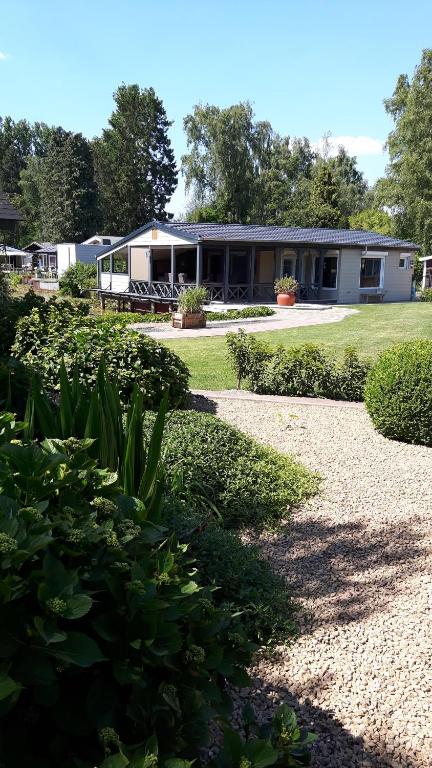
(286, 299)
(189, 320)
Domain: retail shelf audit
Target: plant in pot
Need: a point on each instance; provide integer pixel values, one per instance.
(190, 312)
(286, 289)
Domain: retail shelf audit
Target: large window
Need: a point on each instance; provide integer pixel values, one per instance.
(120, 261)
(106, 264)
(330, 269)
(371, 272)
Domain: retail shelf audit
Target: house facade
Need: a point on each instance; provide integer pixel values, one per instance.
(239, 263)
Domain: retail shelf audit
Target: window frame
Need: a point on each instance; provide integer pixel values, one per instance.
(116, 254)
(377, 256)
(105, 258)
(331, 255)
(407, 261)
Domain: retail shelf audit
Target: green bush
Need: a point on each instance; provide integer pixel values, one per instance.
(398, 393)
(192, 299)
(63, 330)
(12, 309)
(78, 279)
(426, 295)
(246, 583)
(297, 371)
(239, 314)
(249, 484)
(105, 635)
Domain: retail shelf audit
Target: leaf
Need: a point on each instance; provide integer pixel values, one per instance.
(65, 407)
(7, 686)
(78, 606)
(115, 761)
(261, 753)
(189, 588)
(78, 649)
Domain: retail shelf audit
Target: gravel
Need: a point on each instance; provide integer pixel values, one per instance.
(358, 556)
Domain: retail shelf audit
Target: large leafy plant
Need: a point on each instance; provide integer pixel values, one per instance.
(107, 642)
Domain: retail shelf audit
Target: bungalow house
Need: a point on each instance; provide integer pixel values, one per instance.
(239, 263)
(427, 272)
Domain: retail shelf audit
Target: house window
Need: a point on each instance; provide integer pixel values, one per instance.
(404, 261)
(106, 264)
(330, 270)
(120, 262)
(371, 272)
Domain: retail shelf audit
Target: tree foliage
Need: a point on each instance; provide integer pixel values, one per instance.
(372, 220)
(408, 186)
(135, 166)
(324, 206)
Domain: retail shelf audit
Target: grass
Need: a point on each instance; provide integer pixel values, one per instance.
(372, 330)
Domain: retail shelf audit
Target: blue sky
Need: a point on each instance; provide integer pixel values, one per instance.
(309, 66)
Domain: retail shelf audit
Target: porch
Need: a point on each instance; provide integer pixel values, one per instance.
(230, 272)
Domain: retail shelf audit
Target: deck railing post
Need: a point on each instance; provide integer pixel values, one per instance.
(173, 270)
(252, 273)
(199, 265)
(226, 272)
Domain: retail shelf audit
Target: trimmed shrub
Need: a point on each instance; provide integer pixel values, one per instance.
(247, 483)
(297, 371)
(78, 279)
(398, 393)
(246, 583)
(63, 331)
(426, 295)
(239, 314)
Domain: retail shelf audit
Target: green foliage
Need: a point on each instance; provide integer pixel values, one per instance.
(135, 166)
(67, 190)
(246, 352)
(286, 284)
(324, 207)
(280, 742)
(246, 583)
(239, 314)
(407, 187)
(192, 299)
(249, 484)
(13, 309)
(372, 220)
(78, 280)
(14, 386)
(298, 371)
(5, 288)
(426, 295)
(61, 330)
(109, 646)
(398, 393)
(14, 280)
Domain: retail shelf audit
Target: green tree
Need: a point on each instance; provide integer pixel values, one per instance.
(285, 183)
(68, 194)
(407, 188)
(134, 162)
(16, 140)
(227, 151)
(351, 183)
(324, 210)
(373, 220)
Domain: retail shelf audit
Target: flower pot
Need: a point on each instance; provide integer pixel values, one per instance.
(189, 320)
(286, 299)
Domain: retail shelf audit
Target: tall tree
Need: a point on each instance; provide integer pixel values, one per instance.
(227, 150)
(16, 140)
(324, 210)
(285, 181)
(68, 195)
(351, 182)
(408, 187)
(373, 220)
(134, 162)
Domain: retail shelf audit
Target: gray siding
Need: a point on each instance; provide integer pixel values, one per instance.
(397, 282)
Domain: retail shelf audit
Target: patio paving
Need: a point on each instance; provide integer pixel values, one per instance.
(287, 317)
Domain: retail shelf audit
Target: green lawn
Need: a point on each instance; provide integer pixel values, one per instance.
(370, 331)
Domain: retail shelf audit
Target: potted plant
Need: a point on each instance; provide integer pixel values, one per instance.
(190, 312)
(286, 289)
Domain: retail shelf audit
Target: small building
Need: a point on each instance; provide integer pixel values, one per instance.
(69, 254)
(239, 263)
(9, 220)
(44, 255)
(14, 260)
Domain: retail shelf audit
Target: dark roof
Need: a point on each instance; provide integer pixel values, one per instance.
(256, 233)
(35, 246)
(298, 235)
(7, 211)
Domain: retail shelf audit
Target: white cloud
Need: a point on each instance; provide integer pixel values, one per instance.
(3, 56)
(359, 146)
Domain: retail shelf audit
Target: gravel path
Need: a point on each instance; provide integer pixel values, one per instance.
(289, 317)
(359, 558)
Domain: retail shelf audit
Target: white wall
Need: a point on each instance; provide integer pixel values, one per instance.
(69, 253)
(397, 281)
